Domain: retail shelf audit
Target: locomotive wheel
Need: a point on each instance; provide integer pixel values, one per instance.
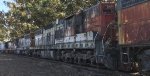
(72, 60)
(63, 59)
(75, 60)
(67, 59)
(80, 61)
(87, 61)
(92, 61)
(84, 61)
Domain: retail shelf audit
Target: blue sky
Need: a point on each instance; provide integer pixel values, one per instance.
(3, 6)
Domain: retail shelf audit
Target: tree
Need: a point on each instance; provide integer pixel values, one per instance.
(27, 15)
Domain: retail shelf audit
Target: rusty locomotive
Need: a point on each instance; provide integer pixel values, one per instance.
(115, 35)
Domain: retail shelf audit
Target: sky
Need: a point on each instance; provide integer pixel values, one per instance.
(3, 7)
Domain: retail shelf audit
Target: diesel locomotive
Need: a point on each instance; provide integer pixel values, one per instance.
(115, 35)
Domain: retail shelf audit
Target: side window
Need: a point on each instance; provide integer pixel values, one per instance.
(96, 11)
(69, 21)
(93, 11)
(108, 9)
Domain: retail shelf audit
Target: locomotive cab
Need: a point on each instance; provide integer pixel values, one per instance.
(100, 19)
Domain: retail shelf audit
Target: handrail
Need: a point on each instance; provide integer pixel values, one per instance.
(103, 45)
(95, 37)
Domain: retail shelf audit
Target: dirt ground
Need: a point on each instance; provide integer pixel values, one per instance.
(13, 65)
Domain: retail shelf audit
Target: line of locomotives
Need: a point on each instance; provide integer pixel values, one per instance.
(115, 35)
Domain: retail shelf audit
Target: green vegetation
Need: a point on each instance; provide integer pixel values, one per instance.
(27, 15)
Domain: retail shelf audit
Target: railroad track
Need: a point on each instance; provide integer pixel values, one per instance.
(98, 70)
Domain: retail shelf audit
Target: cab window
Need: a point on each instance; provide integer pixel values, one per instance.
(108, 9)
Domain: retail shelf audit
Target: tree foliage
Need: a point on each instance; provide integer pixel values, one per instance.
(27, 15)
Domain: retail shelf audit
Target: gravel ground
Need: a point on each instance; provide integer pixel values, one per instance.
(11, 65)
